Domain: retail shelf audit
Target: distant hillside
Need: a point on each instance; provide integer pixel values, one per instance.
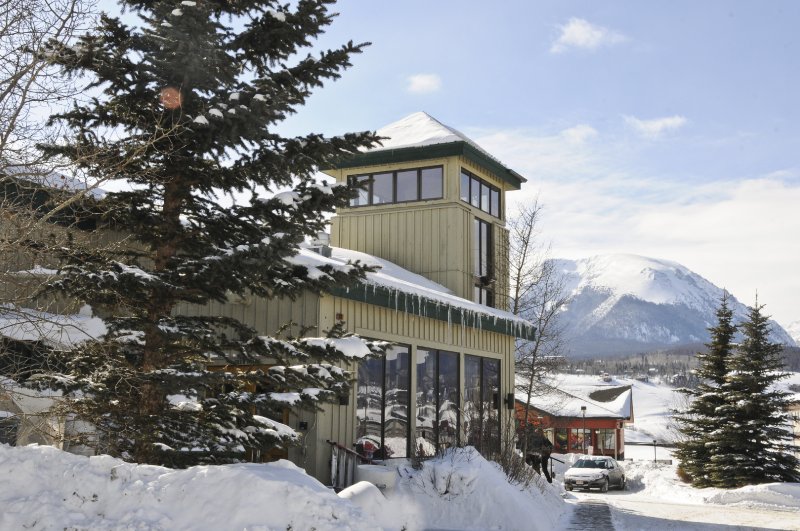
(624, 304)
(794, 330)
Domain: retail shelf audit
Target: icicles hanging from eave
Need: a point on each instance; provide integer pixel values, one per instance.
(417, 304)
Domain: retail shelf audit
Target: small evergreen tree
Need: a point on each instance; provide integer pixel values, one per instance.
(190, 100)
(701, 419)
(753, 444)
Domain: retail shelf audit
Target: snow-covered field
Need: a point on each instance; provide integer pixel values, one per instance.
(46, 489)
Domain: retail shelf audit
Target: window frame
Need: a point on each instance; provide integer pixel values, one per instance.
(383, 362)
(476, 182)
(437, 393)
(493, 402)
(484, 292)
(369, 177)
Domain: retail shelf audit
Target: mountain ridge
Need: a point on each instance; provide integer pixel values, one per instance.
(625, 303)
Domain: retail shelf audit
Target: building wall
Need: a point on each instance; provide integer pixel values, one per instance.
(337, 422)
(267, 316)
(432, 238)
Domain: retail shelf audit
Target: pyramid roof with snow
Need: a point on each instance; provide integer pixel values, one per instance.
(419, 136)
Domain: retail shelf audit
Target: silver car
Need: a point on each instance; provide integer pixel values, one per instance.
(595, 472)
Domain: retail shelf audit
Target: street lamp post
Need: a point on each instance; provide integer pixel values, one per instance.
(654, 451)
(583, 435)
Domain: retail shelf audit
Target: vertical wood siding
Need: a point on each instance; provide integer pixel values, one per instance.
(431, 238)
(267, 316)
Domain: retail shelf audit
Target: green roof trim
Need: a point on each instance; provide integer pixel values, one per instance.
(432, 309)
(434, 151)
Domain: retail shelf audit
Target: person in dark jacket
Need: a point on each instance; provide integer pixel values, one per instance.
(539, 450)
(546, 449)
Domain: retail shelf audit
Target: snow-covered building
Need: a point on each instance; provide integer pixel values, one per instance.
(431, 216)
(582, 418)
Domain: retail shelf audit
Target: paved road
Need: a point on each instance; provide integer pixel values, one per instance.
(633, 512)
(591, 514)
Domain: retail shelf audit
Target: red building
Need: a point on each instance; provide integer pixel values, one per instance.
(582, 418)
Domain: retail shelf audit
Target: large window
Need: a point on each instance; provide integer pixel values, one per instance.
(480, 194)
(382, 428)
(482, 403)
(579, 440)
(561, 444)
(606, 440)
(483, 262)
(398, 186)
(437, 401)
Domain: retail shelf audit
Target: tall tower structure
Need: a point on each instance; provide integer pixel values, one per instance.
(433, 202)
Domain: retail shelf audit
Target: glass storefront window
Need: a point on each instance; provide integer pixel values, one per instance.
(561, 443)
(577, 438)
(606, 440)
(448, 399)
(437, 401)
(382, 428)
(482, 403)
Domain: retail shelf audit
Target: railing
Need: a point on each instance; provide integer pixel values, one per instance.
(343, 465)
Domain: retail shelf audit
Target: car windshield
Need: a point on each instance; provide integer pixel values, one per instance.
(590, 463)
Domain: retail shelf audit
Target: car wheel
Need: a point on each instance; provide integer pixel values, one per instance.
(604, 486)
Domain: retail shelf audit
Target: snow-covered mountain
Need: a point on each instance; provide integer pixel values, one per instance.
(624, 304)
(794, 330)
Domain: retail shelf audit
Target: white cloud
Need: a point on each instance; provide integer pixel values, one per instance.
(579, 33)
(739, 233)
(424, 83)
(657, 126)
(579, 134)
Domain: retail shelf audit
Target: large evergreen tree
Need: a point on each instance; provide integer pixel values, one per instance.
(701, 418)
(187, 106)
(753, 445)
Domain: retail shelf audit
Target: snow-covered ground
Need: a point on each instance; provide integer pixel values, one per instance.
(46, 489)
(656, 499)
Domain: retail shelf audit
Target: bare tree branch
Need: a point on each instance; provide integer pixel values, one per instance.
(538, 294)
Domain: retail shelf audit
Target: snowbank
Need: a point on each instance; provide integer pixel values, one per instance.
(661, 482)
(44, 488)
(462, 490)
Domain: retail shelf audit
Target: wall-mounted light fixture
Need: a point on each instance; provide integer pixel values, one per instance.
(510, 401)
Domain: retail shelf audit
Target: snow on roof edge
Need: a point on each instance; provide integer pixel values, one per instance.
(404, 281)
(420, 130)
(569, 405)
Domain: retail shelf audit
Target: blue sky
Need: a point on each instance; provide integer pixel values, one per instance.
(668, 129)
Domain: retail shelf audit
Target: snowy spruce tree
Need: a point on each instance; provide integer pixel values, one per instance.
(753, 445)
(187, 105)
(701, 418)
